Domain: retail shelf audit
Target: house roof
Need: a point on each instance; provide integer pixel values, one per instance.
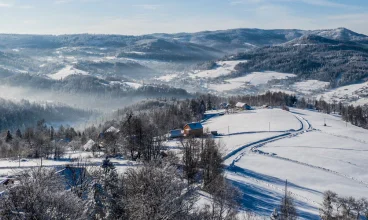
(89, 145)
(240, 104)
(177, 131)
(112, 129)
(194, 125)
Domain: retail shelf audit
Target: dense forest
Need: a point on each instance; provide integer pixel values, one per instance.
(14, 115)
(311, 57)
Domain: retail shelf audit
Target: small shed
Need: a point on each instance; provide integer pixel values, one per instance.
(176, 133)
(193, 129)
(242, 106)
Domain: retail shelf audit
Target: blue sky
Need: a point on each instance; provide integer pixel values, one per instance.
(135, 17)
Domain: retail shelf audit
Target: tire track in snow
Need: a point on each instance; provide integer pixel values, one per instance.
(312, 166)
(272, 186)
(310, 128)
(346, 137)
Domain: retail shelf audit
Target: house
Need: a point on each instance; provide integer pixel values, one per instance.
(89, 145)
(242, 106)
(113, 130)
(193, 129)
(224, 105)
(176, 133)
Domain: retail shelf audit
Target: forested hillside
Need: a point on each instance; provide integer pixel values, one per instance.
(14, 115)
(311, 57)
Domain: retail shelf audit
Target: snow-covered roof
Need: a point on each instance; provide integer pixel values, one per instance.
(88, 145)
(240, 104)
(194, 125)
(112, 129)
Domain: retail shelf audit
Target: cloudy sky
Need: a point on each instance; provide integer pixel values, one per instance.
(134, 17)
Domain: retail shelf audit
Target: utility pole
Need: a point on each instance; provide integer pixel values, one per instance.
(269, 126)
(285, 200)
(228, 131)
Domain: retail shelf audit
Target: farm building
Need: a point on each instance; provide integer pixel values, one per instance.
(89, 145)
(113, 130)
(242, 106)
(176, 133)
(193, 129)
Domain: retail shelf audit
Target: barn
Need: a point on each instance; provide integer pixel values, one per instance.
(193, 129)
(242, 106)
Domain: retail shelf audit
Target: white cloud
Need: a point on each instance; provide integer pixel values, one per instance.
(5, 5)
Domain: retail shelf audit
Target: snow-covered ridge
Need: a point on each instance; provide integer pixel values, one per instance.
(310, 86)
(223, 68)
(356, 94)
(253, 79)
(65, 72)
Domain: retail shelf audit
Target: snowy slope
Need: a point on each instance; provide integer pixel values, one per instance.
(356, 94)
(253, 121)
(313, 158)
(310, 86)
(223, 68)
(65, 72)
(254, 79)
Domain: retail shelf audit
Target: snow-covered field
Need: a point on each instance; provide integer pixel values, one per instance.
(67, 71)
(223, 68)
(168, 77)
(259, 120)
(310, 86)
(254, 79)
(11, 166)
(356, 94)
(313, 158)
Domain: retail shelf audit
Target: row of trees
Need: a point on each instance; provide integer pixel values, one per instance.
(357, 115)
(335, 207)
(39, 141)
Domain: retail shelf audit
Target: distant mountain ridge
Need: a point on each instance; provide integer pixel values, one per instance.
(338, 56)
(244, 38)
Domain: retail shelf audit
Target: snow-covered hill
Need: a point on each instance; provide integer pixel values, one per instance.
(312, 157)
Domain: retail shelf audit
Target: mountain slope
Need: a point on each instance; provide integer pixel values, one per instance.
(310, 57)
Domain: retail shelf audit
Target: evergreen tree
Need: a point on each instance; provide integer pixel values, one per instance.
(18, 133)
(9, 137)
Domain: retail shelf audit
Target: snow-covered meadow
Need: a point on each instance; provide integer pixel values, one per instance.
(312, 157)
(223, 68)
(253, 79)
